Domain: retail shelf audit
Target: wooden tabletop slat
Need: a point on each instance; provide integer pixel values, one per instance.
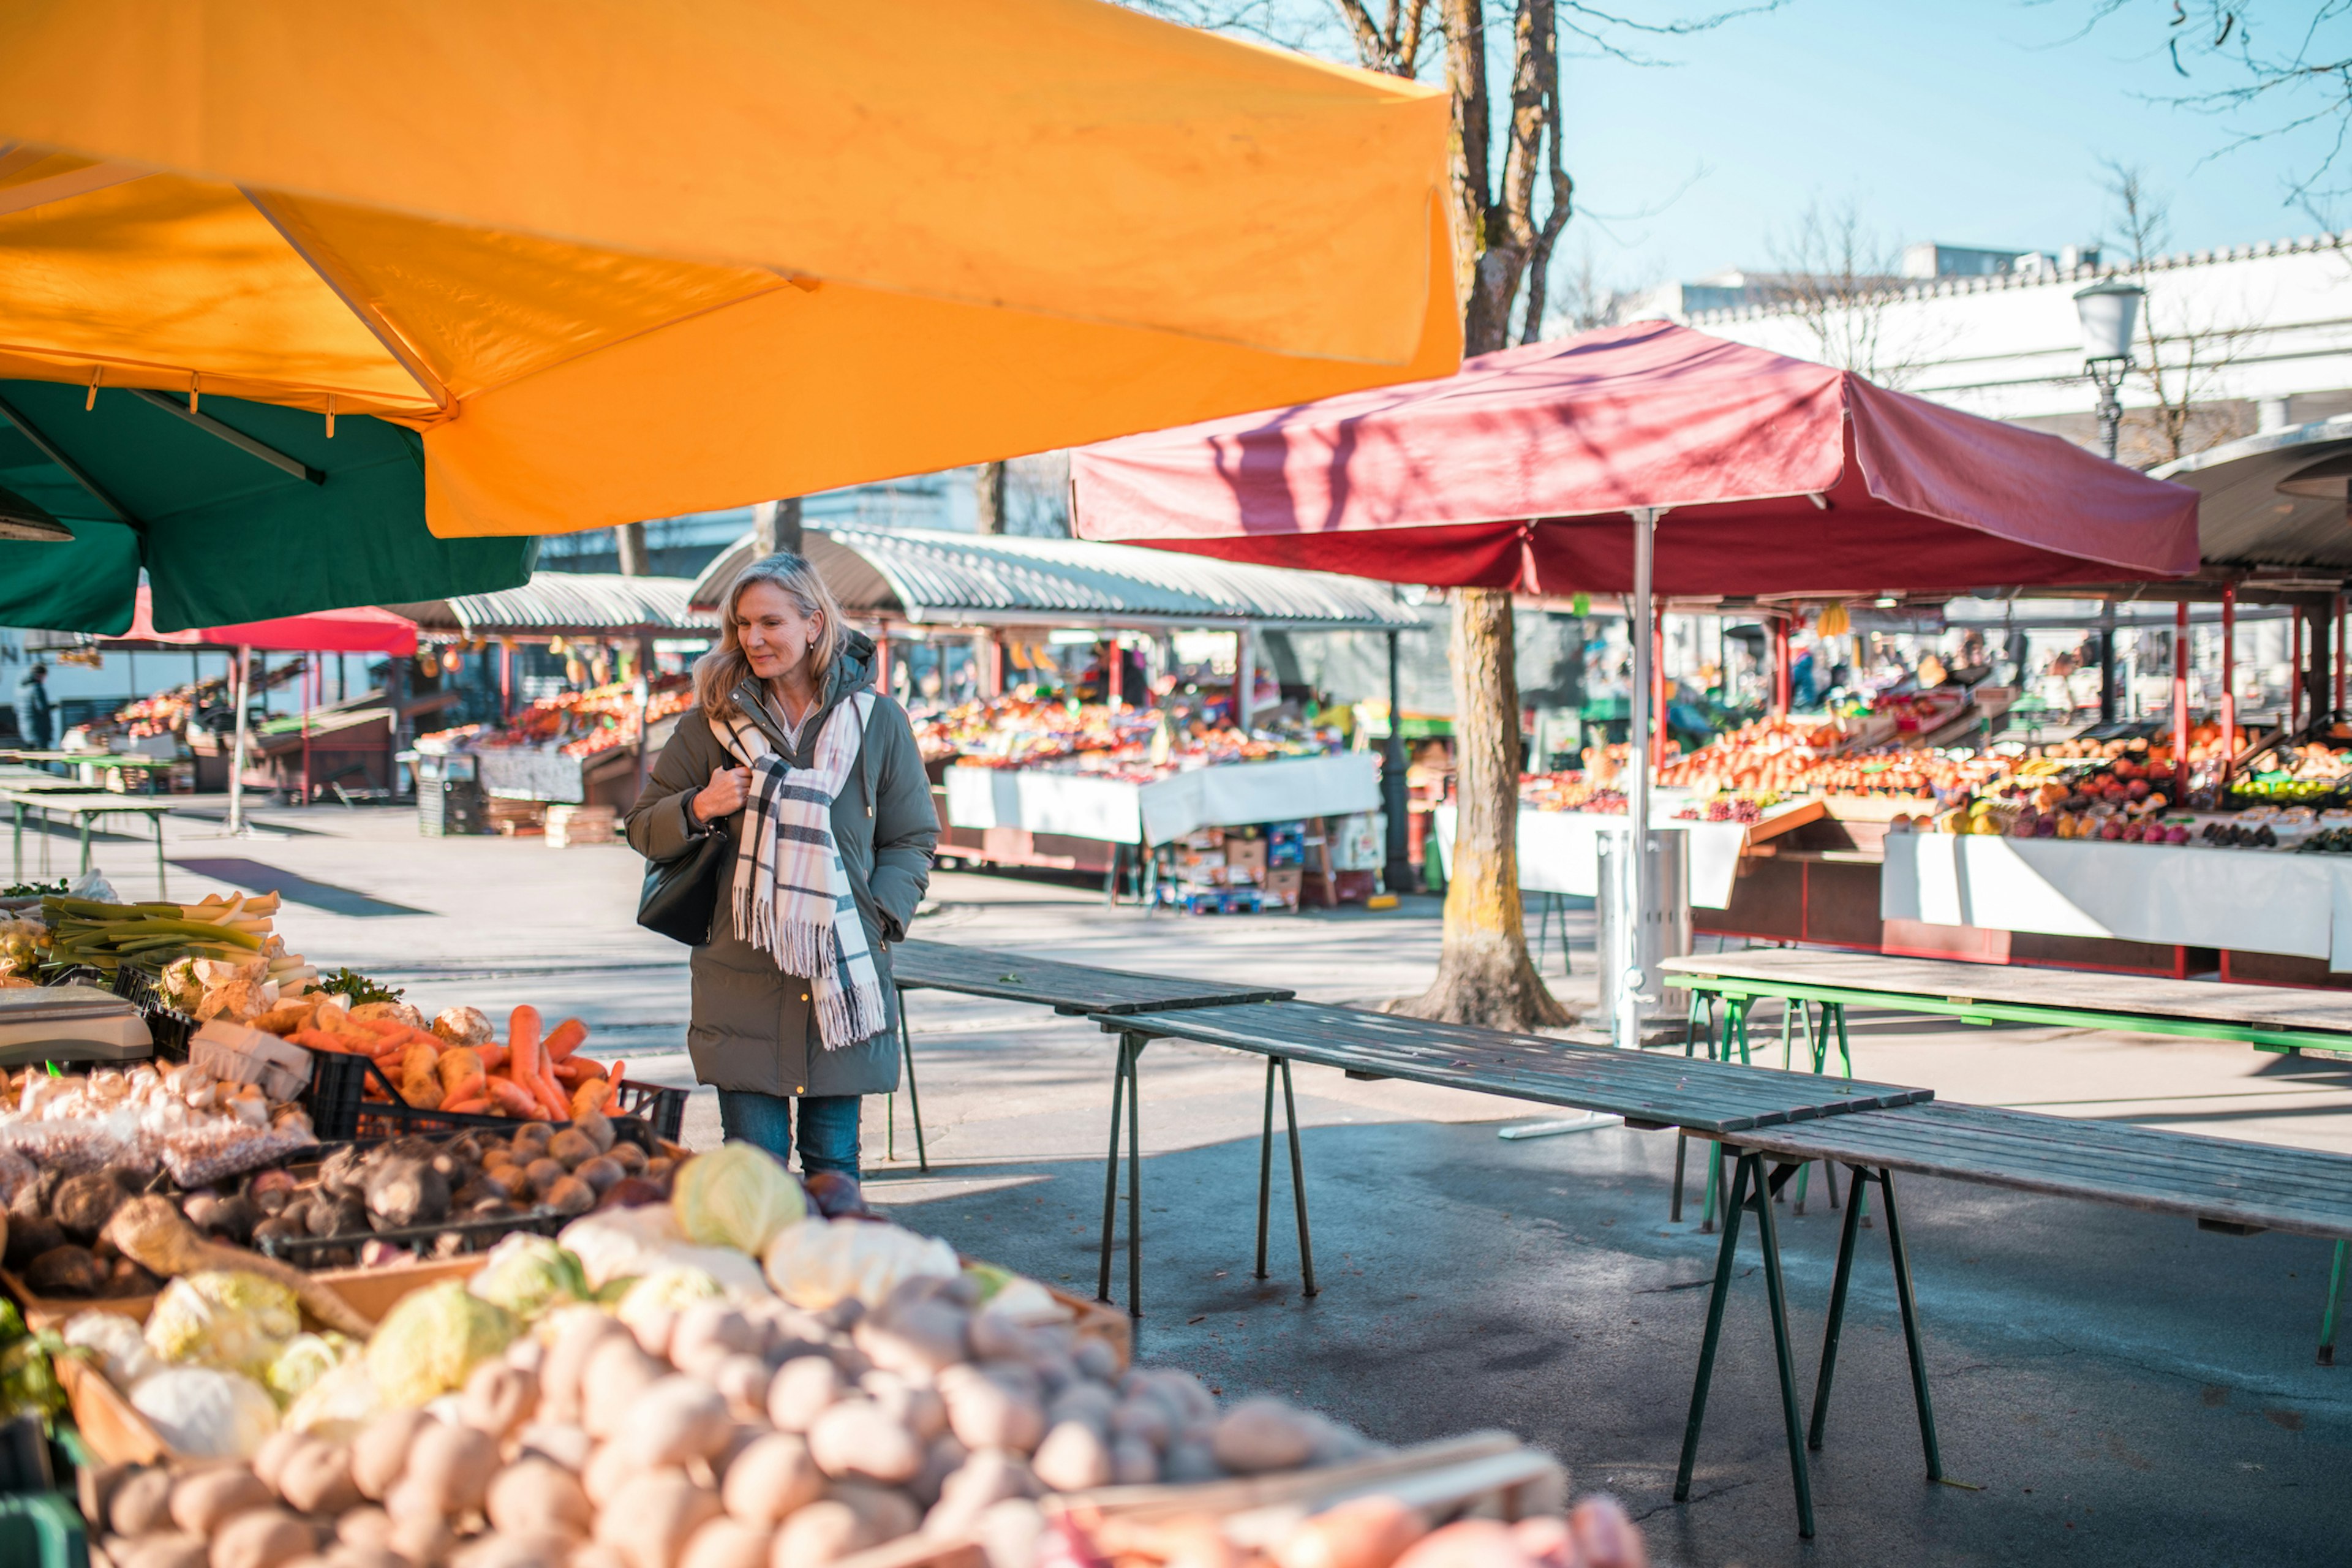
(2196, 1001)
(2303, 1191)
(1681, 1091)
(1074, 988)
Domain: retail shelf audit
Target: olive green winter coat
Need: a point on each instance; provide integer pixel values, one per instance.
(753, 1026)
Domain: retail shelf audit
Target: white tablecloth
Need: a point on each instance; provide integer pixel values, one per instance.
(2249, 901)
(1229, 796)
(1557, 850)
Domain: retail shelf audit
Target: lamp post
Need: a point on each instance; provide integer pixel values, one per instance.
(2109, 313)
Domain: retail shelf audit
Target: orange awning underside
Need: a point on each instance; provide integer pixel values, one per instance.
(620, 261)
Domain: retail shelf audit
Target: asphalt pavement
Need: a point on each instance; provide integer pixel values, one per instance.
(2110, 1386)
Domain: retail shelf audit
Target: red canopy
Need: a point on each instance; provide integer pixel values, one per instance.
(1774, 475)
(360, 629)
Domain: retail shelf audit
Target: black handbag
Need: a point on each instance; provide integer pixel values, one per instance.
(680, 898)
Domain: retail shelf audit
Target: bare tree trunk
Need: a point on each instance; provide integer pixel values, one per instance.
(1482, 972)
(631, 538)
(776, 525)
(990, 487)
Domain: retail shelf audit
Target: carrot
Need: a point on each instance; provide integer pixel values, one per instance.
(476, 1106)
(494, 1056)
(573, 1071)
(375, 1025)
(513, 1099)
(591, 1097)
(614, 1076)
(472, 1086)
(320, 1040)
(565, 1038)
(522, 1043)
(552, 1096)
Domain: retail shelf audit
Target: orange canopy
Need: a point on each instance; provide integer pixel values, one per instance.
(619, 261)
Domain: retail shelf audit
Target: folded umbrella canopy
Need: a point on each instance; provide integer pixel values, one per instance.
(617, 261)
(239, 510)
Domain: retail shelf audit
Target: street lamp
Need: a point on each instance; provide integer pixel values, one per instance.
(2109, 312)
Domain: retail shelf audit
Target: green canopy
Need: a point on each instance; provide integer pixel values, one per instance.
(239, 511)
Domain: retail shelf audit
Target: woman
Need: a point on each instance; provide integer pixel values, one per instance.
(830, 814)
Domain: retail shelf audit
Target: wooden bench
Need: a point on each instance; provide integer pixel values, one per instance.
(2230, 1188)
(1073, 989)
(1649, 1091)
(2268, 1017)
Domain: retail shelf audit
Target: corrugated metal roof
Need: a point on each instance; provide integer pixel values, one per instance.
(927, 576)
(561, 603)
(2245, 519)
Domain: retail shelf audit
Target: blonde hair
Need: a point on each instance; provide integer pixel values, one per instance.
(724, 667)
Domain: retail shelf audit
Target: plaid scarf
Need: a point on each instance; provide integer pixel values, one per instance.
(793, 897)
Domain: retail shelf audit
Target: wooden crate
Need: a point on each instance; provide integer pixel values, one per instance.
(567, 825)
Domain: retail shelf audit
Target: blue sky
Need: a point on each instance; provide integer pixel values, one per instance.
(1973, 124)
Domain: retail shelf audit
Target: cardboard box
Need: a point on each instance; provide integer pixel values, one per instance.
(1282, 886)
(1247, 855)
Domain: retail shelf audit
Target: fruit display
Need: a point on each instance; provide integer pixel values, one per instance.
(571, 723)
(1019, 730)
(724, 1377)
(1746, 810)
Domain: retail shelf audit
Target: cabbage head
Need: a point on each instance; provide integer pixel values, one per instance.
(207, 1413)
(226, 1318)
(815, 1264)
(529, 1274)
(337, 1407)
(432, 1338)
(666, 1290)
(306, 1359)
(737, 1195)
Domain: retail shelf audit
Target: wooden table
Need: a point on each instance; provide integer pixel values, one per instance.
(1648, 1091)
(1068, 988)
(83, 805)
(2227, 1187)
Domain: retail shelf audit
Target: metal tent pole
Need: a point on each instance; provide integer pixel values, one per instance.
(1628, 1010)
(2179, 700)
(1393, 795)
(243, 686)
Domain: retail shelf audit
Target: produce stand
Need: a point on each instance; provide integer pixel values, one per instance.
(1230, 796)
(1559, 850)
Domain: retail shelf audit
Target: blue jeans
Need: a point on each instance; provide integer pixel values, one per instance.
(828, 1138)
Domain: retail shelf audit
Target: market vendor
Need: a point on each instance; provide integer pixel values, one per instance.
(833, 833)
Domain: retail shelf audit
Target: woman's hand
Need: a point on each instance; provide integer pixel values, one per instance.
(724, 795)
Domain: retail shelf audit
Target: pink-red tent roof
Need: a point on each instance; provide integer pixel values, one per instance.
(1776, 476)
(360, 629)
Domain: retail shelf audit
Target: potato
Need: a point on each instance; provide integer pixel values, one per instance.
(1604, 1537)
(316, 1478)
(772, 1479)
(381, 1451)
(803, 1388)
(616, 1372)
(572, 1333)
(272, 1455)
(594, 1556)
(544, 1173)
(1189, 1461)
(602, 1173)
(496, 1398)
(1467, 1543)
(452, 1464)
(574, 1148)
(537, 1496)
(558, 1442)
(344, 1555)
(530, 1550)
(1081, 1400)
(988, 1478)
(629, 1157)
(706, 1331)
(650, 1520)
(364, 1528)
(421, 1538)
(856, 1438)
(985, 1412)
(263, 1538)
(942, 1459)
(674, 1420)
(727, 1543)
(1363, 1532)
(1073, 1458)
(918, 1340)
(921, 1407)
(167, 1549)
(1261, 1434)
(818, 1534)
(742, 1381)
(204, 1501)
(141, 1504)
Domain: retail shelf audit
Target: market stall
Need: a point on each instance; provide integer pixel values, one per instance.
(586, 746)
(1074, 785)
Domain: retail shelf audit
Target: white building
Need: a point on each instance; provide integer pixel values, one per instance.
(2252, 337)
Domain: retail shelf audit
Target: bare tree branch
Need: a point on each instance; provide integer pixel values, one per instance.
(2183, 360)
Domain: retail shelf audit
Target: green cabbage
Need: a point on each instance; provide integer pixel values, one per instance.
(229, 1320)
(306, 1359)
(527, 1275)
(665, 1290)
(430, 1340)
(737, 1195)
(338, 1405)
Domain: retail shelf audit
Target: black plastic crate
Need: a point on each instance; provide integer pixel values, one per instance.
(660, 1111)
(338, 1083)
(478, 1234)
(662, 1108)
(169, 1026)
